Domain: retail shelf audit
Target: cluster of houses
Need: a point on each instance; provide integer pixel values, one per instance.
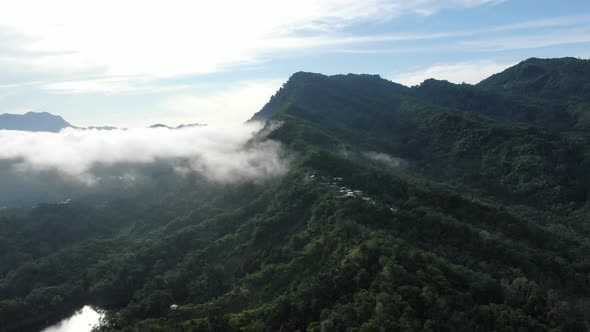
(344, 191)
(347, 193)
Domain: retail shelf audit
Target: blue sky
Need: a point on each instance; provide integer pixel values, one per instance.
(136, 63)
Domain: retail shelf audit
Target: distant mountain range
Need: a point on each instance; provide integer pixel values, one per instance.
(190, 125)
(47, 122)
(33, 121)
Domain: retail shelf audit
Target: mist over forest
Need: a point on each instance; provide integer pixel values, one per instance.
(75, 162)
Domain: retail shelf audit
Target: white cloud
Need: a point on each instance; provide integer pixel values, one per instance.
(497, 43)
(385, 159)
(111, 86)
(562, 37)
(233, 105)
(465, 72)
(219, 153)
(151, 39)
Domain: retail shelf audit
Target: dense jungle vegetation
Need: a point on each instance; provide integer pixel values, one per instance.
(471, 213)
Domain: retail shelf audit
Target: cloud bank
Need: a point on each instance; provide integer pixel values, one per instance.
(221, 154)
(64, 39)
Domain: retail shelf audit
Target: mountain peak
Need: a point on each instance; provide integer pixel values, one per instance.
(307, 87)
(547, 78)
(40, 113)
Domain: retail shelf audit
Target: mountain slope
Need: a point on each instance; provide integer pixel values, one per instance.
(32, 121)
(418, 209)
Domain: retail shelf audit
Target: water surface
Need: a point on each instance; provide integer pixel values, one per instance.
(82, 320)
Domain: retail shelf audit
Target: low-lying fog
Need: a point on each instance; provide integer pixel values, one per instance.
(49, 164)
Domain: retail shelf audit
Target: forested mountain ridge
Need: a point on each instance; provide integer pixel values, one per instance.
(440, 207)
(564, 78)
(517, 147)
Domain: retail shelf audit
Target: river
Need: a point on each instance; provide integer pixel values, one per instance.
(82, 320)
